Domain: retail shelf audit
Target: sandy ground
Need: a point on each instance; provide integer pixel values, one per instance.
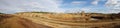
(11, 21)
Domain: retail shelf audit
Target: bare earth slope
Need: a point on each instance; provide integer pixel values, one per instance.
(11, 21)
(48, 20)
(64, 21)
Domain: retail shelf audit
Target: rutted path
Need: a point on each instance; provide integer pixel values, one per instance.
(42, 19)
(12, 21)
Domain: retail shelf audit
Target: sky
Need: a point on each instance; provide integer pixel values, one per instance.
(60, 6)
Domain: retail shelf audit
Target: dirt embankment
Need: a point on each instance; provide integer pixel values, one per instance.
(11, 21)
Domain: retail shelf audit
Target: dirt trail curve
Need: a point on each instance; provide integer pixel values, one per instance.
(12, 21)
(45, 20)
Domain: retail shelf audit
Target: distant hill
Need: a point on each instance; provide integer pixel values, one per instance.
(40, 12)
(37, 12)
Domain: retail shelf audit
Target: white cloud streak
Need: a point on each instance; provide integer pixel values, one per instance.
(95, 2)
(114, 6)
(12, 6)
(78, 2)
(76, 10)
(29, 5)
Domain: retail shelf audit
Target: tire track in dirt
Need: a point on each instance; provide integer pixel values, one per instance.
(11, 21)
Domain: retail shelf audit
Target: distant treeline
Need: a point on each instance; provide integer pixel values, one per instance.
(116, 15)
(38, 12)
(1, 13)
(44, 12)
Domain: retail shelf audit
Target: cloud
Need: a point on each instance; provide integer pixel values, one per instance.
(12, 6)
(95, 2)
(85, 9)
(31, 5)
(75, 10)
(114, 6)
(78, 2)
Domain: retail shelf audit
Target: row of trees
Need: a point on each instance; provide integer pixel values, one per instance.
(1, 13)
(116, 15)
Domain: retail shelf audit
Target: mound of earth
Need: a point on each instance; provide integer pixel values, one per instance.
(11, 21)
